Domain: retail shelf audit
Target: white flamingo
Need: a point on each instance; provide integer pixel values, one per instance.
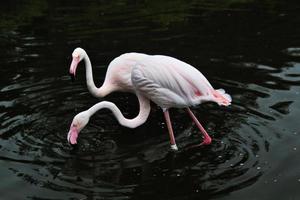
(166, 81)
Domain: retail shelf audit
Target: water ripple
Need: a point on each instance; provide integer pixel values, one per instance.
(112, 162)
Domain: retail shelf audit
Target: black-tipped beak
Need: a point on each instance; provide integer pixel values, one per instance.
(72, 77)
(74, 146)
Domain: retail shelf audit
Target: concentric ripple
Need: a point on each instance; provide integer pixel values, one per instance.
(253, 139)
(111, 161)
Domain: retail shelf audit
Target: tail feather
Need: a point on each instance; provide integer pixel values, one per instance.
(222, 98)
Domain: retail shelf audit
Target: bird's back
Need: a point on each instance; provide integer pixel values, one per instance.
(165, 80)
(119, 71)
(170, 82)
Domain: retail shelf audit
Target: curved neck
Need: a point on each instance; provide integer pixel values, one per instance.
(130, 123)
(97, 92)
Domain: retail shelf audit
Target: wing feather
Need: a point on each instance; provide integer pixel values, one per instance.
(170, 82)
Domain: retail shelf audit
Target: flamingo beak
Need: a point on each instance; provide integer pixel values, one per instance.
(73, 135)
(74, 65)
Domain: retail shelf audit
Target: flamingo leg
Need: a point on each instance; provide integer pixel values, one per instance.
(207, 138)
(170, 129)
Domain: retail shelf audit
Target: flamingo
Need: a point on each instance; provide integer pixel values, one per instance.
(167, 81)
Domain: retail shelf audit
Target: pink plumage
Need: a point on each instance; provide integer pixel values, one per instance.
(170, 82)
(165, 80)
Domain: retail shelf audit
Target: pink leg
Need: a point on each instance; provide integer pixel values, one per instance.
(207, 138)
(170, 129)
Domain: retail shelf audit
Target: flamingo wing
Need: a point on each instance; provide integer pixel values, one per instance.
(170, 82)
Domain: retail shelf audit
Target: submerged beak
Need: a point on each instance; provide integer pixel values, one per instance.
(72, 135)
(74, 65)
(72, 77)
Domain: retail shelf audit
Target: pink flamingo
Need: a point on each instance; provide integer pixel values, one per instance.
(166, 81)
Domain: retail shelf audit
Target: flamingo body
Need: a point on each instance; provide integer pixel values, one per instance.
(119, 70)
(170, 82)
(165, 80)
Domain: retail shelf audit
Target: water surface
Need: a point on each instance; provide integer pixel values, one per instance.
(249, 48)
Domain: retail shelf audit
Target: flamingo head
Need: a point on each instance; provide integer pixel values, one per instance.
(78, 123)
(77, 55)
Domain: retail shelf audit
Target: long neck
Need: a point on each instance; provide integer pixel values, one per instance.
(130, 123)
(97, 92)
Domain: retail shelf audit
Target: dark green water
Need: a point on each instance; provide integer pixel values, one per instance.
(250, 48)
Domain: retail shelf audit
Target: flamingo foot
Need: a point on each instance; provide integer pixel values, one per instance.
(206, 141)
(174, 147)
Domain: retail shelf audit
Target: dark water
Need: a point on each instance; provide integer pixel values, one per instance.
(250, 48)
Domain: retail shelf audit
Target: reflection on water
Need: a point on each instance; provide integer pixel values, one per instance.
(250, 49)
